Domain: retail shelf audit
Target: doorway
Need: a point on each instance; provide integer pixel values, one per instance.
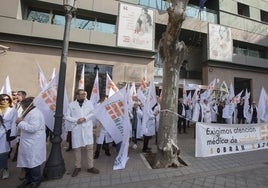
(90, 74)
(242, 84)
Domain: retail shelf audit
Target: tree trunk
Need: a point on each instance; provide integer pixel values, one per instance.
(172, 53)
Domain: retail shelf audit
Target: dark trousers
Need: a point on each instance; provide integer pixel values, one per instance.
(254, 120)
(3, 160)
(33, 175)
(134, 136)
(241, 120)
(146, 142)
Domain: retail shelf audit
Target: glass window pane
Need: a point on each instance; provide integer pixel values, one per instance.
(37, 16)
(59, 20)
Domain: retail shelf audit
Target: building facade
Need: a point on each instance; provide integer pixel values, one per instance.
(101, 38)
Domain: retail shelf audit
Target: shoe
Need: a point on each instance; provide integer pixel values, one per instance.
(134, 146)
(5, 174)
(93, 170)
(76, 172)
(24, 184)
(69, 149)
(35, 185)
(108, 153)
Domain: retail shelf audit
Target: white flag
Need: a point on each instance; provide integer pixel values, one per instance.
(263, 106)
(231, 93)
(6, 88)
(110, 86)
(111, 115)
(42, 81)
(246, 109)
(122, 157)
(53, 74)
(46, 102)
(237, 98)
(143, 91)
(95, 93)
(81, 83)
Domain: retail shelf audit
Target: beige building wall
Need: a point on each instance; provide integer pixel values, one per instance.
(258, 80)
(20, 64)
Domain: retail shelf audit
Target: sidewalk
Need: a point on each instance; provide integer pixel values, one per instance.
(233, 170)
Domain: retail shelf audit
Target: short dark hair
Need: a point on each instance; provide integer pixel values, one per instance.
(78, 91)
(23, 93)
(27, 101)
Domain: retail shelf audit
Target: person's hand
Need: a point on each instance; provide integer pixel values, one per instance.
(19, 120)
(81, 120)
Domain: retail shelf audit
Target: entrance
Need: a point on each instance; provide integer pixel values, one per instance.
(90, 74)
(242, 84)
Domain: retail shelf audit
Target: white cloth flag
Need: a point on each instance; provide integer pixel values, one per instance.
(81, 83)
(143, 91)
(110, 86)
(122, 157)
(246, 110)
(53, 74)
(46, 102)
(42, 81)
(6, 88)
(231, 93)
(95, 93)
(263, 106)
(111, 115)
(151, 98)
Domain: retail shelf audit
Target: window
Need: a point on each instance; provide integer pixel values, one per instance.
(58, 19)
(37, 16)
(243, 9)
(264, 16)
(245, 50)
(157, 4)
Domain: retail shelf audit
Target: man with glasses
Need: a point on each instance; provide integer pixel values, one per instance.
(80, 115)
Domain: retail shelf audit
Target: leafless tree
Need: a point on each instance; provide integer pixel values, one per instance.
(172, 52)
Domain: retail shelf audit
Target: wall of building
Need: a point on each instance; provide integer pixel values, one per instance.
(258, 80)
(20, 64)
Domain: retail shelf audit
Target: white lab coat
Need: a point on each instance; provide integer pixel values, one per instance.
(82, 134)
(104, 135)
(139, 133)
(207, 113)
(32, 147)
(196, 112)
(148, 124)
(4, 145)
(10, 117)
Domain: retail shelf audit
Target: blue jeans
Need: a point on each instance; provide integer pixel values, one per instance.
(3, 160)
(33, 175)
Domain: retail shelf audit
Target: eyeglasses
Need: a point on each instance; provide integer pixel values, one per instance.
(5, 99)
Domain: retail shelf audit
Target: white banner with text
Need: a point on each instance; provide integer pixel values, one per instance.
(220, 139)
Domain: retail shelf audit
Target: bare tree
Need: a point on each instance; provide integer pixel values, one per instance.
(172, 52)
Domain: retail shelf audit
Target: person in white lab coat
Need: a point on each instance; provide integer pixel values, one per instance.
(8, 122)
(32, 147)
(80, 115)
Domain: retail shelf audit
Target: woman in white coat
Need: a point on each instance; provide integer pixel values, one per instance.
(79, 114)
(32, 146)
(8, 121)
